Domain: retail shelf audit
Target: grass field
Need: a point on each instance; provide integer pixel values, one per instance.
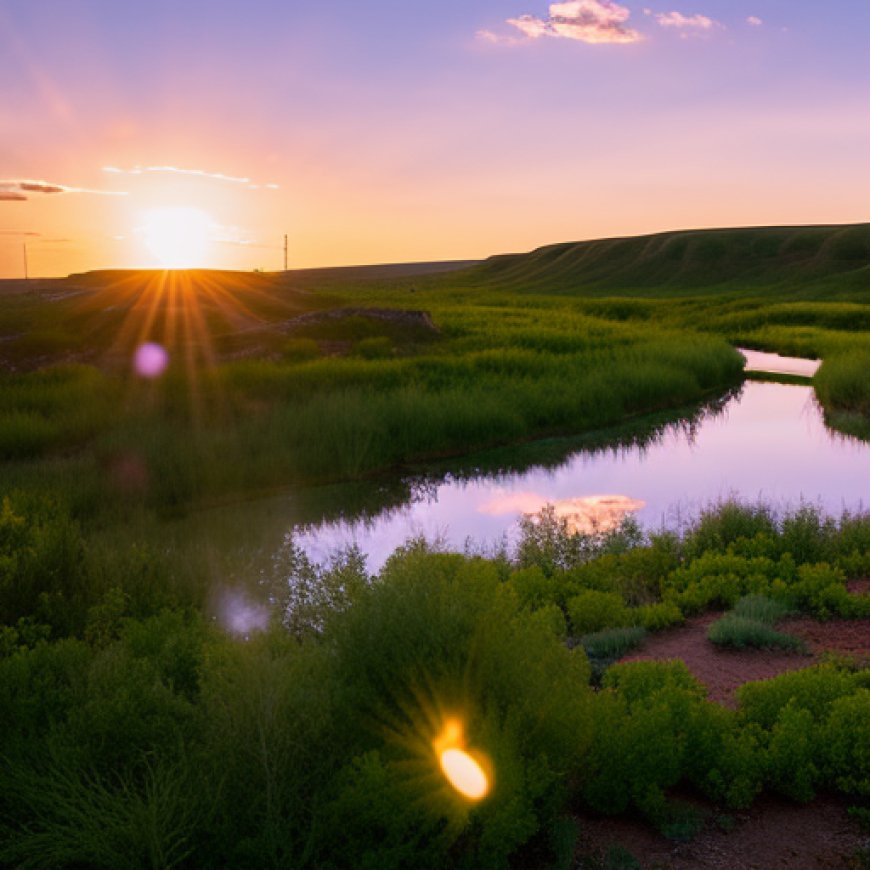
(284, 379)
(136, 732)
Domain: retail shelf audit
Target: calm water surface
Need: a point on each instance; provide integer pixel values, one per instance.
(763, 441)
(769, 441)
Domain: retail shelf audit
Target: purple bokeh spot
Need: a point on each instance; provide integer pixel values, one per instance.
(150, 360)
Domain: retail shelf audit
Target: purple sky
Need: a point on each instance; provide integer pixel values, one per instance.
(386, 131)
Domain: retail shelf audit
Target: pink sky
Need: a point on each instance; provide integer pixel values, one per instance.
(393, 132)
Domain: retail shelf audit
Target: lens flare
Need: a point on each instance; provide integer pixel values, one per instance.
(464, 774)
(150, 360)
(461, 769)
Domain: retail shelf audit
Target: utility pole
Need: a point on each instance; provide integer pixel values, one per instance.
(285, 253)
(26, 275)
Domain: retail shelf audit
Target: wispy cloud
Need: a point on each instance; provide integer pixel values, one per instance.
(590, 21)
(754, 21)
(685, 23)
(197, 173)
(18, 233)
(16, 189)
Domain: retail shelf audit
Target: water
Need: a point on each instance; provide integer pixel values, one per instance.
(759, 361)
(768, 442)
(764, 441)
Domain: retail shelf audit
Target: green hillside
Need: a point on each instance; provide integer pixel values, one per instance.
(830, 259)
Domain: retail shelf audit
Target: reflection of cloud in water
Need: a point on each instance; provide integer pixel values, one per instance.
(241, 616)
(586, 515)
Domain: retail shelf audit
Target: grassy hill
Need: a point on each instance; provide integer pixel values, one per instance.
(834, 260)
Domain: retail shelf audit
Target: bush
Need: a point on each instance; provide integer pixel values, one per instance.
(652, 731)
(821, 590)
(738, 632)
(43, 570)
(845, 739)
(761, 609)
(656, 617)
(813, 689)
(727, 523)
(612, 643)
(534, 588)
(593, 611)
(437, 636)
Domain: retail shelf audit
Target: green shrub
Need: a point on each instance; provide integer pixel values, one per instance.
(793, 751)
(43, 572)
(593, 611)
(534, 588)
(612, 643)
(845, 739)
(436, 636)
(638, 681)
(813, 689)
(820, 590)
(552, 616)
(726, 523)
(739, 632)
(761, 609)
(652, 731)
(656, 617)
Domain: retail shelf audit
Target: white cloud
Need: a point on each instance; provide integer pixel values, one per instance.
(679, 21)
(198, 173)
(590, 21)
(755, 21)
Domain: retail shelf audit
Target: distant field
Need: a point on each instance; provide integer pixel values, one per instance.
(332, 374)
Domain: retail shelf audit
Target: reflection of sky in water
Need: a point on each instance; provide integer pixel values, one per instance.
(759, 361)
(769, 443)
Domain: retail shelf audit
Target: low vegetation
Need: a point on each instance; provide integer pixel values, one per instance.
(136, 732)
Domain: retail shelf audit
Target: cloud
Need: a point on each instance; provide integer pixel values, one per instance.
(496, 38)
(754, 21)
(40, 187)
(21, 233)
(590, 21)
(14, 188)
(198, 173)
(686, 23)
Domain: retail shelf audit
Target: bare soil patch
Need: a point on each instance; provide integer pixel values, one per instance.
(721, 671)
(847, 637)
(774, 834)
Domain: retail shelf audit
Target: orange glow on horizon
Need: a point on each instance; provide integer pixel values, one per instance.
(178, 237)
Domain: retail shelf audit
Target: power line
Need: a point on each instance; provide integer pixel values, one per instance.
(285, 253)
(26, 275)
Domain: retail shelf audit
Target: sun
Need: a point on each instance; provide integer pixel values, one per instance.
(178, 237)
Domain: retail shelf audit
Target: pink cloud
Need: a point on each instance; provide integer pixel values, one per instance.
(754, 21)
(14, 188)
(590, 21)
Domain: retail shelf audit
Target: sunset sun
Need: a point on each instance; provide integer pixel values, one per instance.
(178, 237)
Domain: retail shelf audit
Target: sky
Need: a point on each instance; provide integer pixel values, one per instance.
(200, 133)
